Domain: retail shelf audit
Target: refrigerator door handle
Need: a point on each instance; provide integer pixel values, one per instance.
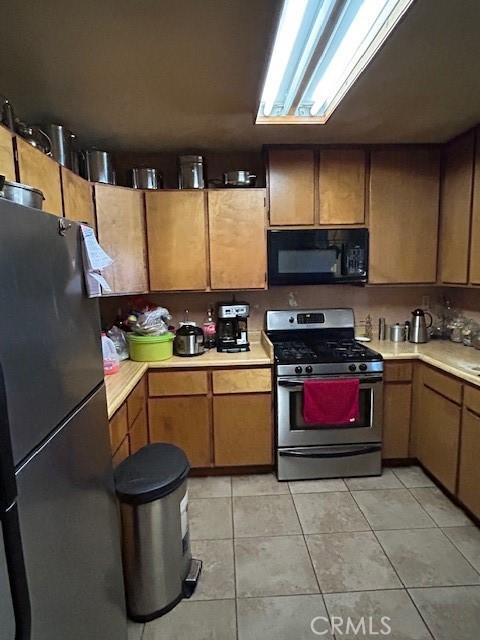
(17, 574)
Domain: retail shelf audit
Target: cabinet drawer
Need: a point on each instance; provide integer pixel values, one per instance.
(443, 384)
(471, 399)
(136, 402)
(242, 381)
(397, 372)
(121, 453)
(178, 383)
(118, 427)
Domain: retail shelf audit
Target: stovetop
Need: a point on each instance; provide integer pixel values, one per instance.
(334, 351)
(319, 342)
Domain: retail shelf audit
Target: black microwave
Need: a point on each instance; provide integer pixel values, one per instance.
(317, 256)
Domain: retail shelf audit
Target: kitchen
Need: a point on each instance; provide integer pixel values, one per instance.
(375, 211)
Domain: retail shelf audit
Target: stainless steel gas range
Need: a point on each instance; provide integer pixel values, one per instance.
(319, 344)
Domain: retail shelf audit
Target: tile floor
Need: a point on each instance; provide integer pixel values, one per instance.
(279, 555)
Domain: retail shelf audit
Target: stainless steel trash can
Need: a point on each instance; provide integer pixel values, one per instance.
(159, 571)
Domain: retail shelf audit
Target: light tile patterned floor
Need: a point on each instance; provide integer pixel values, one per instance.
(279, 555)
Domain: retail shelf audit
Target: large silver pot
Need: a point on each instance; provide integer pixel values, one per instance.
(143, 178)
(61, 140)
(21, 193)
(99, 166)
(239, 179)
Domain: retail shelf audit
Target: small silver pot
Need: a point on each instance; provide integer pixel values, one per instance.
(98, 165)
(397, 333)
(21, 193)
(239, 179)
(143, 178)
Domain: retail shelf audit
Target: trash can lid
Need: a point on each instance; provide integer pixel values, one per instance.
(153, 472)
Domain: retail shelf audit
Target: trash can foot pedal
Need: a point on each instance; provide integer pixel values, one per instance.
(190, 582)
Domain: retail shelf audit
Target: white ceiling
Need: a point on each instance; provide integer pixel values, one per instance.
(158, 75)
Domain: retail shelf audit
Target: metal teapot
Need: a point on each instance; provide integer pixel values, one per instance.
(419, 327)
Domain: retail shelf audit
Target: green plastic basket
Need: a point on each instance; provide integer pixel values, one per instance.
(150, 348)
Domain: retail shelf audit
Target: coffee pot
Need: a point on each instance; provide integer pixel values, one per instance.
(419, 327)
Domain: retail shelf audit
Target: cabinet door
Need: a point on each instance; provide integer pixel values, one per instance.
(121, 232)
(138, 435)
(118, 427)
(341, 185)
(291, 186)
(242, 428)
(438, 437)
(397, 399)
(121, 453)
(456, 205)
(238, 251)
(403, 221)
(475, 238)
(185, 422)
(469, 471)
(39, 171)
(176, 233)
(7, 163)
(77, 198)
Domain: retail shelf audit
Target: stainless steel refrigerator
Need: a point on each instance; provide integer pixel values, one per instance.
(60, 564)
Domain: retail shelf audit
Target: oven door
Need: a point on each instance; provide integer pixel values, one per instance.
(317, 256)
(293, 431)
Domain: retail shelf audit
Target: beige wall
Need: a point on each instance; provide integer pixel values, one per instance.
(393, 303)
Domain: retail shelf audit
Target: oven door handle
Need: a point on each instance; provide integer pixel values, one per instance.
(299, 383)
(333, 452)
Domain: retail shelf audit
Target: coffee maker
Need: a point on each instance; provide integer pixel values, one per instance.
(232, 335)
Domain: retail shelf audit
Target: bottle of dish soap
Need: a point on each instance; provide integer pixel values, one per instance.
(209, 330)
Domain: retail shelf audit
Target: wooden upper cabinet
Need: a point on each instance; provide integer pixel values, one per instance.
(7, 162)
(121, 232)
(291, 186)
(238, 255)
(39, 171)
(403, 221)
(475, 237)
(77, 198)
(176, 236)
(341, 185)
(456, 204)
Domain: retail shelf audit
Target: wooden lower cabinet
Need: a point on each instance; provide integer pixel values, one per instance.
(121, 453)
(184, 421)
(118, 427)
(469, 469)
(138, 434)
(242, 429)
(397, 400)
(438, 436)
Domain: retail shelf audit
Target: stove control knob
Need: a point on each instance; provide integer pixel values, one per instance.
(352, 367)
(363, 367)
(298, 369)
(291, 319)
(309, 369)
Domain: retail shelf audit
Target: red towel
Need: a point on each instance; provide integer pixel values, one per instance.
(329, 402)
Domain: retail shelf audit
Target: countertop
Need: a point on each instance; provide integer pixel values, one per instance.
(120, 385)
(451, 357)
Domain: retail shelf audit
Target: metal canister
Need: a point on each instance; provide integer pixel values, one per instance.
(382, 329)
(397, 332)
(99, 166)
(191, 172)
(144, 178)
(61, 140)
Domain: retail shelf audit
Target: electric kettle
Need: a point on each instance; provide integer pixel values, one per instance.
(419, 328)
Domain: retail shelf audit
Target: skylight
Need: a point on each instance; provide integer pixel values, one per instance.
(320, 49)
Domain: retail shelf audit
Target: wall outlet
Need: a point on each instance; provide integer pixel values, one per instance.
(425, 302)
(292, 300)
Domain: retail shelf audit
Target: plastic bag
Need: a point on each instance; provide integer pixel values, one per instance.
(152, 323)
(111, 362)
(119, 339)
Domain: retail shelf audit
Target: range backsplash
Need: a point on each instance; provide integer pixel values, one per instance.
(393, 303)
